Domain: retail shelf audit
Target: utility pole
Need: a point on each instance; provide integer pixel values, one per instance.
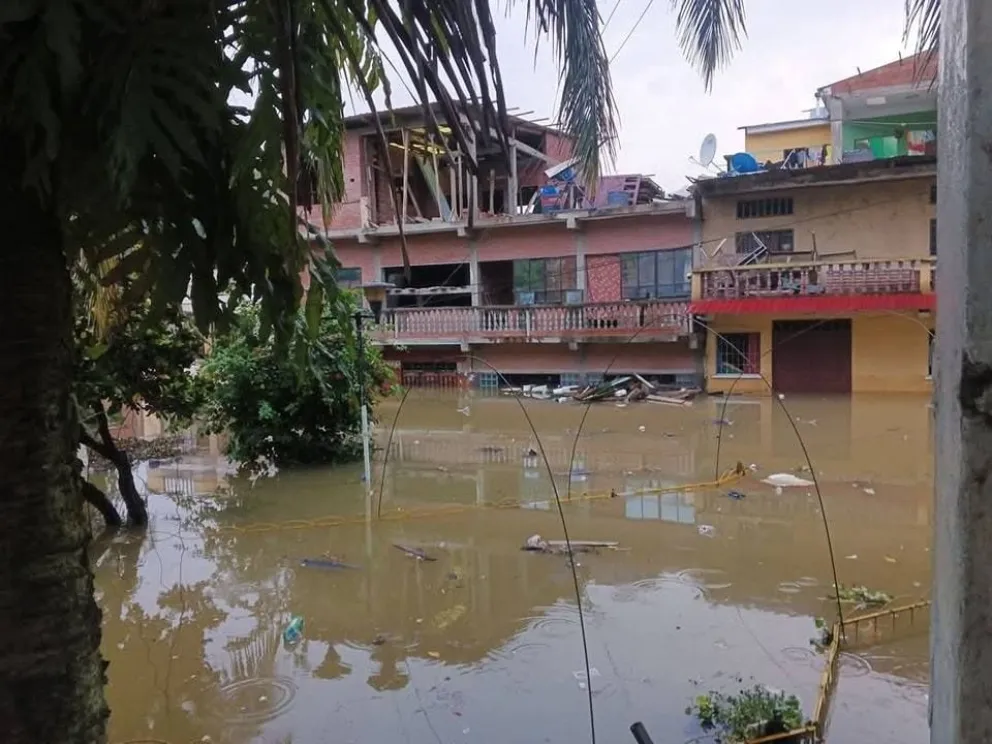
(961, 627)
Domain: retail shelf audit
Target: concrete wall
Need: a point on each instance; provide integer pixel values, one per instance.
(770, 145)
(889, 353)
(592, 359)
(877, 220)
(741, 384)
(884, 126)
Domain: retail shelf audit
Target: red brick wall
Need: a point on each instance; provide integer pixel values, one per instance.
(603, 278)
(347, 213)
(901, 72)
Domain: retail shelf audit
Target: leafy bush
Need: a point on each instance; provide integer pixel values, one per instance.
(291, 405)
(752, 713)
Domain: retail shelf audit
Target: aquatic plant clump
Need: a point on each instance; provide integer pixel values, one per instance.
(751, 713)
(863, 597)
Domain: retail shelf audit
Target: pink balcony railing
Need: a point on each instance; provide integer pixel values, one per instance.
(648, 319)
(865, 276)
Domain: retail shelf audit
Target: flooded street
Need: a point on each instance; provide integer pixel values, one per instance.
(483, 644)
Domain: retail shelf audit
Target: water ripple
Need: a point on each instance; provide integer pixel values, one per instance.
(258, 700)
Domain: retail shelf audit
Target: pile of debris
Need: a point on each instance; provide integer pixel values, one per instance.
(621, 390)
(537, 544)
(635, 388)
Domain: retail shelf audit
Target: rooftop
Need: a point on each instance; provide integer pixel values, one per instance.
(890, 169)
(916, 71)
(782, 126)
(414, 115)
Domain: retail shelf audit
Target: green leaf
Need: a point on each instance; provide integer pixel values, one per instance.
(314, 308)
(95, 351)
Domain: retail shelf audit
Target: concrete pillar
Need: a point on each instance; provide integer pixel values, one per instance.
(377, 275)
(474, 277)
(580, 261)
(961, 644)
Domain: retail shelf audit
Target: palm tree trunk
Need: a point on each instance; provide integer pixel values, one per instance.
(51, 672)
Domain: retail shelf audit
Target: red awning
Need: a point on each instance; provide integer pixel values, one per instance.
(816, 304)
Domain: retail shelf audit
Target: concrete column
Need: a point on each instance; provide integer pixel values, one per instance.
(836, 141)
(474, 277)
(376, 264)
(960, 643)
(836, 112)
(580, 261)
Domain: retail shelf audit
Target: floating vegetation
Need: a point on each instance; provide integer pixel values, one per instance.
(824, 634)
(862, 596)
(752, 713)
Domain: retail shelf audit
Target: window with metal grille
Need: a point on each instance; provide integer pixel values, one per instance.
(738, 353)
(654, 274)
(776, 241)
(775, 206)
(544, 281)
(933, 237)
(350, 277)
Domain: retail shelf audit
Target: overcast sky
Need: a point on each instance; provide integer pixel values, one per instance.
(792, 49)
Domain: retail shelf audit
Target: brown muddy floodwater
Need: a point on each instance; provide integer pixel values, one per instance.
(482, 645)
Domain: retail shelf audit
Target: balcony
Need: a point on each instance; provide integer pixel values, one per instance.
(651, 320)
(815, 281)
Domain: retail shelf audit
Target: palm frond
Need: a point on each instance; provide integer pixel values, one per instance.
(587, 109)
(709, 32)
(923, 22)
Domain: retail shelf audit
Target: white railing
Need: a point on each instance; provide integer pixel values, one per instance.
(651, 317)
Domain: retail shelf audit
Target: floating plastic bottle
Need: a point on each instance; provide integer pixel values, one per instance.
(294, 631)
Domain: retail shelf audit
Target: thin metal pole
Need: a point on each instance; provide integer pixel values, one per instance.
(363, 402)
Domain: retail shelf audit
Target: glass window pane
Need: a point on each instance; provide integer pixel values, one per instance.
(630, 269)
(645, 268)
(666, 267)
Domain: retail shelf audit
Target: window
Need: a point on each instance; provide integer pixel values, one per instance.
(776, 241)
(738, 353)
(933, 193)
(545, 281)
(655, 274)
(771, 207)
(351, 277)
(933, 237)
(932, 343)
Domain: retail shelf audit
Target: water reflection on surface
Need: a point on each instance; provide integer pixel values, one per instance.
(483, 644)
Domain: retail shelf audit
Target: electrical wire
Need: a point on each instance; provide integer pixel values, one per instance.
(609, 18)
(564, 526)
(632, 30)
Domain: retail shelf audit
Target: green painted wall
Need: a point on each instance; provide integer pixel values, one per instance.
(884, 126)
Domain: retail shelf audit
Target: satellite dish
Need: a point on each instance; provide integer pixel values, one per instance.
(707, 150)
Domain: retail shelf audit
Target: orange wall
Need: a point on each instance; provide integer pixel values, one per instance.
(889, 353)
(878, 220)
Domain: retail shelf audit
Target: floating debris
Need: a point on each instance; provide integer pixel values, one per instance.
(324, 563)
(736, 495)
(786, 480)
(294, 631)
(414, 552)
